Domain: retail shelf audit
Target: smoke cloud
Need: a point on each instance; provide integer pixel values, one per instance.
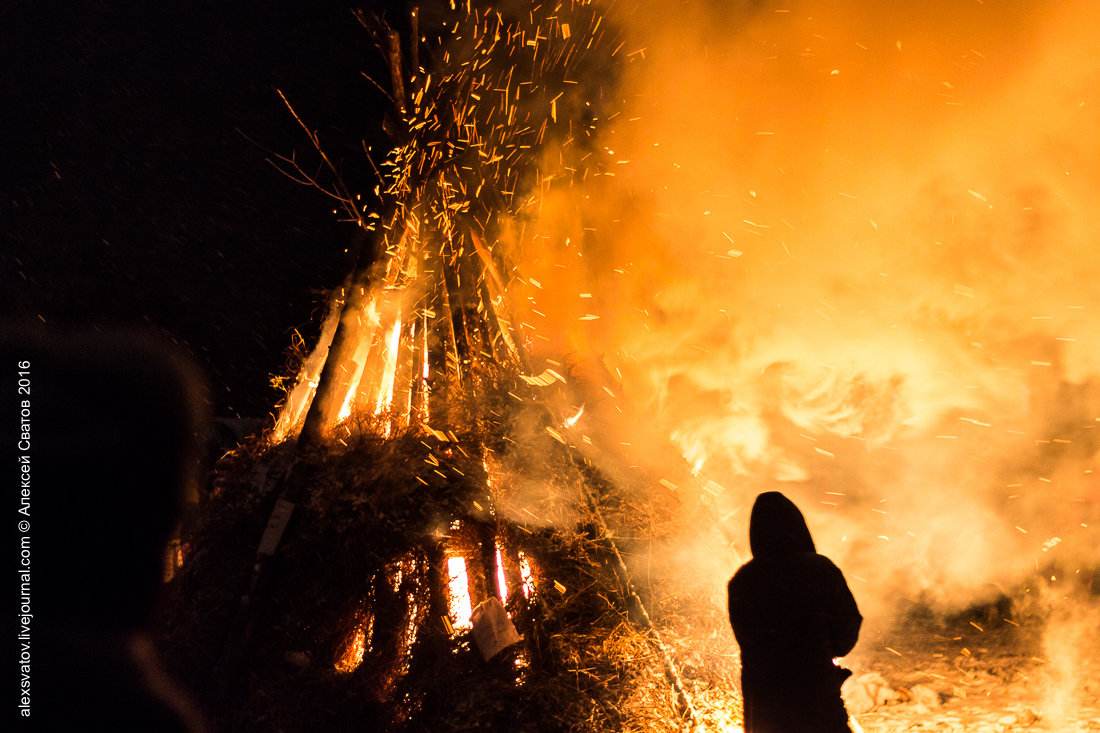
(845, 251)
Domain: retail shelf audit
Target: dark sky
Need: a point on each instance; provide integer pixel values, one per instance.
(129, 196)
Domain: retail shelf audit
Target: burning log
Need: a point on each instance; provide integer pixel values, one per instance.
(414, 41)
(321, 412)
(396, 76)
(438, 590)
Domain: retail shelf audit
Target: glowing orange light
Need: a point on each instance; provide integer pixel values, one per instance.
(353, 655)
(502, 583)
(570, 422)
(385, 390)
(459, 601)
(525, 574)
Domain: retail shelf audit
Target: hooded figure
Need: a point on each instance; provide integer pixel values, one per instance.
(792, 614)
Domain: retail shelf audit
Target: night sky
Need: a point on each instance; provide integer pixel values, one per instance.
(130, 195)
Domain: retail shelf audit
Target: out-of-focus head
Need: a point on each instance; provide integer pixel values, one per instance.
(116, 420)
(777, 526)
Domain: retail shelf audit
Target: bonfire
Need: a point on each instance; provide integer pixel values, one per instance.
(423, 473)
(447, 529)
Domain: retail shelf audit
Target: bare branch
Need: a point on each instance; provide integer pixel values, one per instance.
(305, 180)
(379, 86)
(366, 152)
(348, 201)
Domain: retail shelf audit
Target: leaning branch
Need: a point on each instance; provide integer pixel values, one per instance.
(305, 179)
(347, 199)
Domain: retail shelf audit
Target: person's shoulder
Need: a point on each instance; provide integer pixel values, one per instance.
(743, 572)
(826, 562)
(825, 567)
(820, 559)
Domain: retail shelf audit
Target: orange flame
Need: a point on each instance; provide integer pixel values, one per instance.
(502, 582)
(353, 654)
(459, 602)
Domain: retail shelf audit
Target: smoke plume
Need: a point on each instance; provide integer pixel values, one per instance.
(845, 251)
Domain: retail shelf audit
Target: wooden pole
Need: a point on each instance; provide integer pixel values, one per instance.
(438, 589)
(320, 413)
(640, 614)
(437, 327)
(396, 77)
(414, 42)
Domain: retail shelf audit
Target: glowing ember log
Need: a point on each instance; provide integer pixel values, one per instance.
(459, 602)
(502, 582)
(320, 414)
(525, 573)
(301, 395)
(385, 388)
(353, 655)
(359, 358)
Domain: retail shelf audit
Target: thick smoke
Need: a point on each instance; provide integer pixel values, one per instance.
(846, 251)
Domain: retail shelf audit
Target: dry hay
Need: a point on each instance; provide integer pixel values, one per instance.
(357, 561)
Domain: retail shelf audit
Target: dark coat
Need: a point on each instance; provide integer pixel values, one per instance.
(792, 613)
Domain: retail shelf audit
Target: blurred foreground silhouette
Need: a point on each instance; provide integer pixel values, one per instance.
(115, 426)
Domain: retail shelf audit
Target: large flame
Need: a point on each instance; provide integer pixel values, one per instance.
(458, 584)
(845, 251)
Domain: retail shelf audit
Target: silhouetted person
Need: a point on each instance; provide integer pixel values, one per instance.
(114, 436)
(792, 613)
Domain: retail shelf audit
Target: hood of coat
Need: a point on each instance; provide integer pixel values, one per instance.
(777, 527)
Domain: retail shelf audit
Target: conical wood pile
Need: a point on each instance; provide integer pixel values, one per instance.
(316, 591)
